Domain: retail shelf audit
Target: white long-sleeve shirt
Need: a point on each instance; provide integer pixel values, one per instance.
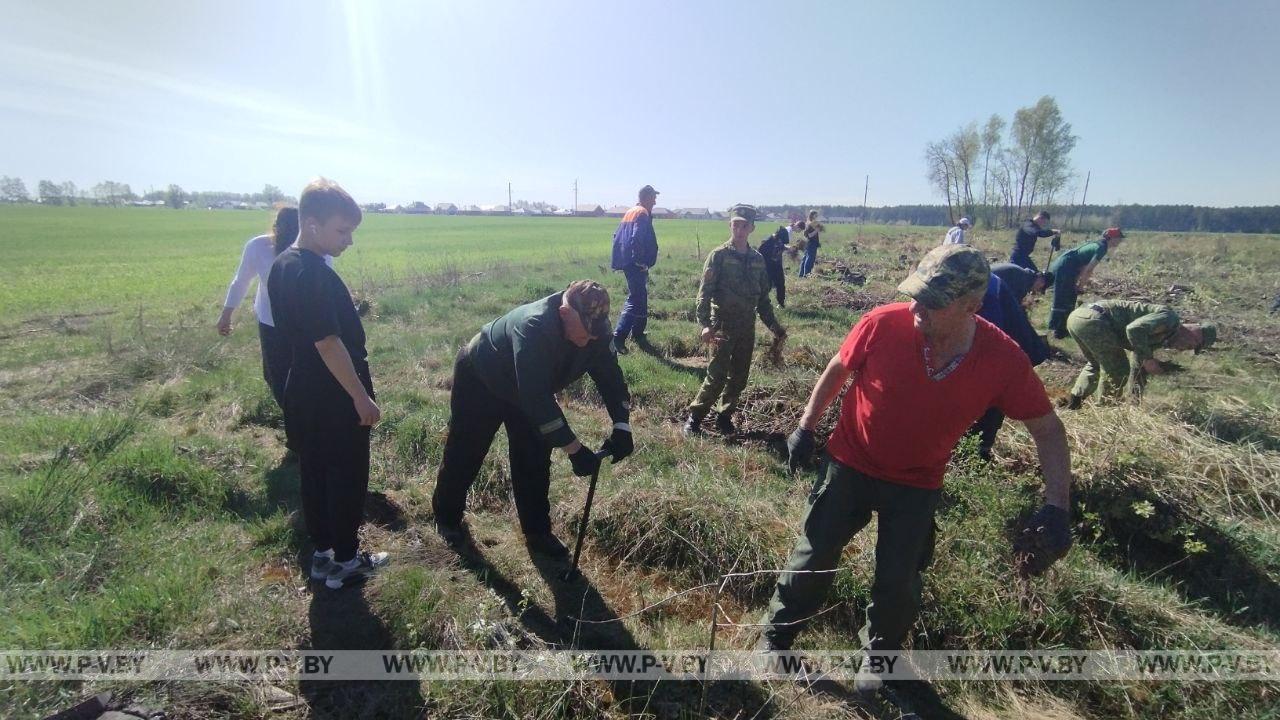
(256, 260)
(955, 236)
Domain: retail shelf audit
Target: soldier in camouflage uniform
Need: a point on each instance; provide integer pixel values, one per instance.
(1118, 339)
(734, 289)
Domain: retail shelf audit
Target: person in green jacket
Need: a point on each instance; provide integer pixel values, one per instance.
(509, 374)
(1119, 339)
(734, 289)
(1071, 272)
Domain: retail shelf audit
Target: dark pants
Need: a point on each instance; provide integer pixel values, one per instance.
(808, 261)
(635, 311)
(277, 356)
(1064, 297)
(1023, 260)
(475, 414)
(777, 279)
(1275, 306)
(839, 506)
(987, 427)
(334, 480)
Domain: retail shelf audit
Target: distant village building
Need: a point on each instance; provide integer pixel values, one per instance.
(417, 208)
(617, 211)
(495, 210)
(662, 214)
(588, 211)
(694, 213)
(446, 209)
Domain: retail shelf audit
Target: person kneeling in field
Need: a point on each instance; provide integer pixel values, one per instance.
(329, 403)
(922, 372)
(1119, 338)
(509, 374)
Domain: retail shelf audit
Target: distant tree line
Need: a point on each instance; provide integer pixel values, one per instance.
(1162, 218)
(110, 192)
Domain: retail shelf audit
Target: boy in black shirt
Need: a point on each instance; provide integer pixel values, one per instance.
(329, 406)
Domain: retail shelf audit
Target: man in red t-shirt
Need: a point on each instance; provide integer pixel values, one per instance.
(923, 372)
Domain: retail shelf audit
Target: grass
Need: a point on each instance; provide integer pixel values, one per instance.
(145, 501)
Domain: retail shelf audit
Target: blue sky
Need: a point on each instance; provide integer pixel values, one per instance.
(712, 102)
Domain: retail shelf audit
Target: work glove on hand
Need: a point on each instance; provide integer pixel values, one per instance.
(800, 446)
(1044, 539)
(585, 462)
(619, 445)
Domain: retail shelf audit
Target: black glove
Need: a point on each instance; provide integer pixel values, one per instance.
(619, 445)
(800, 446)
(585, 462)
(1044, 539)
(1056, 243)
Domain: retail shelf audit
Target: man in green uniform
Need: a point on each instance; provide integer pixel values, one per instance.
(735, 288)
(1110, 331)
(509, 375)
(1071, 272)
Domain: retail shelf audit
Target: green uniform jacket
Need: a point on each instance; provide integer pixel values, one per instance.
(1079, 257)
(735, 286)
(1142, 327)
(524, 358)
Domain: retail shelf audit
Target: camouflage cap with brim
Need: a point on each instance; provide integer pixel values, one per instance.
(591, 300)
(745, 212)
(947, 273)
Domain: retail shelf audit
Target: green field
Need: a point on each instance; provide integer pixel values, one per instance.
(144, 501)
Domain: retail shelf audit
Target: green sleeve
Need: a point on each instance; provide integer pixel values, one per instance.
(765, 306)
(607, 376)
(534, 358)
(707, 288)
(1149, 332)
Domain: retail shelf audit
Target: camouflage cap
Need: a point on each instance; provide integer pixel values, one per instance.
(1208, 336)
(591, 300)
(746, 212)
(946, 273)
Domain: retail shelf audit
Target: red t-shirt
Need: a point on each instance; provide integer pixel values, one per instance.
(899, 425)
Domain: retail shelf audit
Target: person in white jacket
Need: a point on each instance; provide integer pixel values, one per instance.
(255, 262)
(955, 236)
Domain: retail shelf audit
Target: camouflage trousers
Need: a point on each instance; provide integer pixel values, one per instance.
(1104, 354)
(727, 373)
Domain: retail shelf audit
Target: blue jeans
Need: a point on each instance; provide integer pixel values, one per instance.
(635, 311)
(807, 262)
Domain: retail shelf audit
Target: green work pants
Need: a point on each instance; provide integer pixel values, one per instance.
(727, 372)
(1100, 342)
(839, 506)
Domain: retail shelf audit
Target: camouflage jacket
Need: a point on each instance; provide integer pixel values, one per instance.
(1142, 327)
(734, 288)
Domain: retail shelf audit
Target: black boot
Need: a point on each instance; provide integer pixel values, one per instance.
(724, 423)
(693, 425)
(1074, 402)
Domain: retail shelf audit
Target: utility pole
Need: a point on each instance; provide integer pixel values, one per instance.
(509, 208)
(575, 196)
(1087, 176)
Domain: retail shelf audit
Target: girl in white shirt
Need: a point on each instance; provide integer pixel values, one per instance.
(256, 261)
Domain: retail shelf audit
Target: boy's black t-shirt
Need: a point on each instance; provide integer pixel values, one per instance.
(309, 302)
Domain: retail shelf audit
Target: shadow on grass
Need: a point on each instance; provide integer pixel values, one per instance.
(342, 620)
(1202, 563)
(584, 620)
(656, 353)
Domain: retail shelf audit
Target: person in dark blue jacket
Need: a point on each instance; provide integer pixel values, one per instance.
(1002, 307)
(772, 249)
(635, 250)
(1024, 243)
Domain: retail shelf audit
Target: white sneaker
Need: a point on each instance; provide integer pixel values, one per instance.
(321, 565)
(361, 567)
